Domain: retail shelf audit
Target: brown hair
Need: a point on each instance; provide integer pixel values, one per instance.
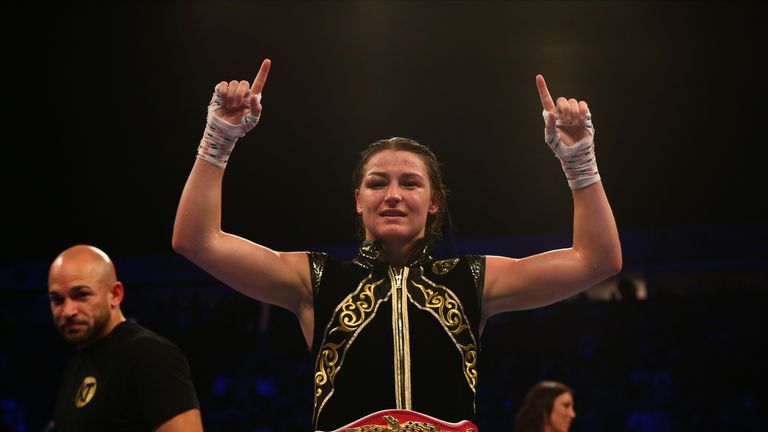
(434, 226)
(538, 405)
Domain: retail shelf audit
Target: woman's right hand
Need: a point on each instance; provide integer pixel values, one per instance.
(239, 99)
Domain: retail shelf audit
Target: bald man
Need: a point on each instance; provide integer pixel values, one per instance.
(123, 377)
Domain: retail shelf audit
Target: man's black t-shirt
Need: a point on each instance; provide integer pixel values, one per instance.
(131, 380)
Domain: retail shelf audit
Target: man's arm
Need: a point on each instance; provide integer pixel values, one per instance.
(188, 421)
(161, 385)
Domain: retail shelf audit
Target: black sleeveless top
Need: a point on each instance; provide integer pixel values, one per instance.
(395, 338)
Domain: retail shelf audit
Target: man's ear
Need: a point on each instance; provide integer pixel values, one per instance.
(116, 293)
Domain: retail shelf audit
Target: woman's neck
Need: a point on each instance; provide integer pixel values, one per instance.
(398, 253)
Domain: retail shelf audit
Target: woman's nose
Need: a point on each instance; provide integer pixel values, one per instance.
(393, 195)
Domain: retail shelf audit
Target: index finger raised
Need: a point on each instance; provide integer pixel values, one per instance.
(261, 77)
(546, 99)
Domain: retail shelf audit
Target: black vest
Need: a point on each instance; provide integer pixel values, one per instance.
(395, 338)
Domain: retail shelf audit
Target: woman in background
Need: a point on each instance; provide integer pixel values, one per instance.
(548, 407)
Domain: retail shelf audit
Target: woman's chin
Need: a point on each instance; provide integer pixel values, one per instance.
(396, 234)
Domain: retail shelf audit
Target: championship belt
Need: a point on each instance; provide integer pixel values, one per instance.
(399, 420)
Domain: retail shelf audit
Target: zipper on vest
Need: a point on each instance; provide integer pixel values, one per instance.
(401, 336)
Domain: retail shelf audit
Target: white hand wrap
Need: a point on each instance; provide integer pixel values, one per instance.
(220, 135)
(578, 161)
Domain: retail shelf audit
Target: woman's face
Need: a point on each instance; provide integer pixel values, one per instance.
(562, 414)
(395, 197)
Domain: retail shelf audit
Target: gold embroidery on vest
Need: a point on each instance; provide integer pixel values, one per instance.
(353, 312)
(477, 267)
(442, 303)
(444, 266)
(470, 363)
(317, 263)
(329, 357)
(447, 309)
(348, 319)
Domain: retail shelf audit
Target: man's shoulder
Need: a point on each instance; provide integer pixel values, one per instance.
(135, 335)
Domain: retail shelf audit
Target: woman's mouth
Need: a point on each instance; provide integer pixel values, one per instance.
(392, 213)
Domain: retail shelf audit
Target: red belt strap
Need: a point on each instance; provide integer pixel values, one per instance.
(398, 420)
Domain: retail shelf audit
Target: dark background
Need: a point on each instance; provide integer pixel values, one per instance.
(107, 105)
(676, 90)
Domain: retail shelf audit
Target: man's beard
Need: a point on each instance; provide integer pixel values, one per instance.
(89, 334)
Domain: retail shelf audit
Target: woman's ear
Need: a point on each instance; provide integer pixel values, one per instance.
(358, 206)
(433, 207)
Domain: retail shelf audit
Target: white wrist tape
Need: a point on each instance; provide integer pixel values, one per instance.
(220, 135)
(578, 161)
